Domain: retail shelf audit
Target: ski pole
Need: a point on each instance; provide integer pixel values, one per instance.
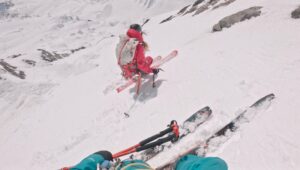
(133, 148)
(154, 76)
(145, 22)
(172, 137)
(173, 127)
(153, 81)
(157, 143)
(138, 83)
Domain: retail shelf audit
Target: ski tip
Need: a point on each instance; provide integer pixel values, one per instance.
(206, 109)
(268, 97)
(204, 112)
(175, 52)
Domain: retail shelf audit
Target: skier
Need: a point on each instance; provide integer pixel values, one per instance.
(188, 162)
(134, 62)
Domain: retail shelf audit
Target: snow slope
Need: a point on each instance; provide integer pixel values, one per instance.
(64, 110)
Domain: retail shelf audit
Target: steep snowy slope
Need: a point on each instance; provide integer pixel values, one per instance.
(63, 110)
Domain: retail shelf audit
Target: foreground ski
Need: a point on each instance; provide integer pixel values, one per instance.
(156, 63)
(187, 127)
(225, 133)
(194, 121)
(203, 147)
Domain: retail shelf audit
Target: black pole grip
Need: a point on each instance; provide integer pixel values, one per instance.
(156, 143)
(160, 134)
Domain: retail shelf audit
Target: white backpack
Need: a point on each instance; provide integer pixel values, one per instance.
(126, 49)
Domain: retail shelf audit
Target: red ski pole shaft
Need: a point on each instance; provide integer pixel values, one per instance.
(126, 151)
(173, 128)
(117, 155)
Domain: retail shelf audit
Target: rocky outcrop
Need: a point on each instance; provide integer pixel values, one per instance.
(194, 7)
(12, 70)
(77, 49)
(296, 13)
(223, 4)
(167, 19)
(4, 7)
(205, 6)
(30, 62)
(182, 11)
(53, 56)
(213, 2)
(48, 56)
(197, 2)
(201, 9)
(15, 56)
(237, 17)
(198, 7)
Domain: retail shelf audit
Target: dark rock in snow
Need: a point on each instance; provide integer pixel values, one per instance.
(213, 2)
(194, 7)
(15, 56)
(205, 6)
(167, 19)
(198, 2)
(198, 7)
(48, 56)
(296, 13)
(53, 56)
(12, 70)
(223, 4)
(4, 6)
(126, 115)
(201, 9)
(77, 49)
(183, 10)
(30, 62)
(178, 13)
(237, 17)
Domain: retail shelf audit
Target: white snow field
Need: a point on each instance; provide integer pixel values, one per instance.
(53, 114)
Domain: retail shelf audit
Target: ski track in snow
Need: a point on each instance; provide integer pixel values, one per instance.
(67, 109)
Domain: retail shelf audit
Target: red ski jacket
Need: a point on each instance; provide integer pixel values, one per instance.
(143, 63)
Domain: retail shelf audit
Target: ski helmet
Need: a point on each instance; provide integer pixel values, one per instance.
(136, 27)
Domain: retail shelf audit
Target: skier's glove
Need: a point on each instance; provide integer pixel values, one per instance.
(155, 71)
(106, 155)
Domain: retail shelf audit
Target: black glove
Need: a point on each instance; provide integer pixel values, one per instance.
(106, 155)
(155, 71)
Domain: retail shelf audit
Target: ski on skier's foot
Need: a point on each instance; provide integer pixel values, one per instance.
(208, 144)
(187, 127)
(227, 131)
